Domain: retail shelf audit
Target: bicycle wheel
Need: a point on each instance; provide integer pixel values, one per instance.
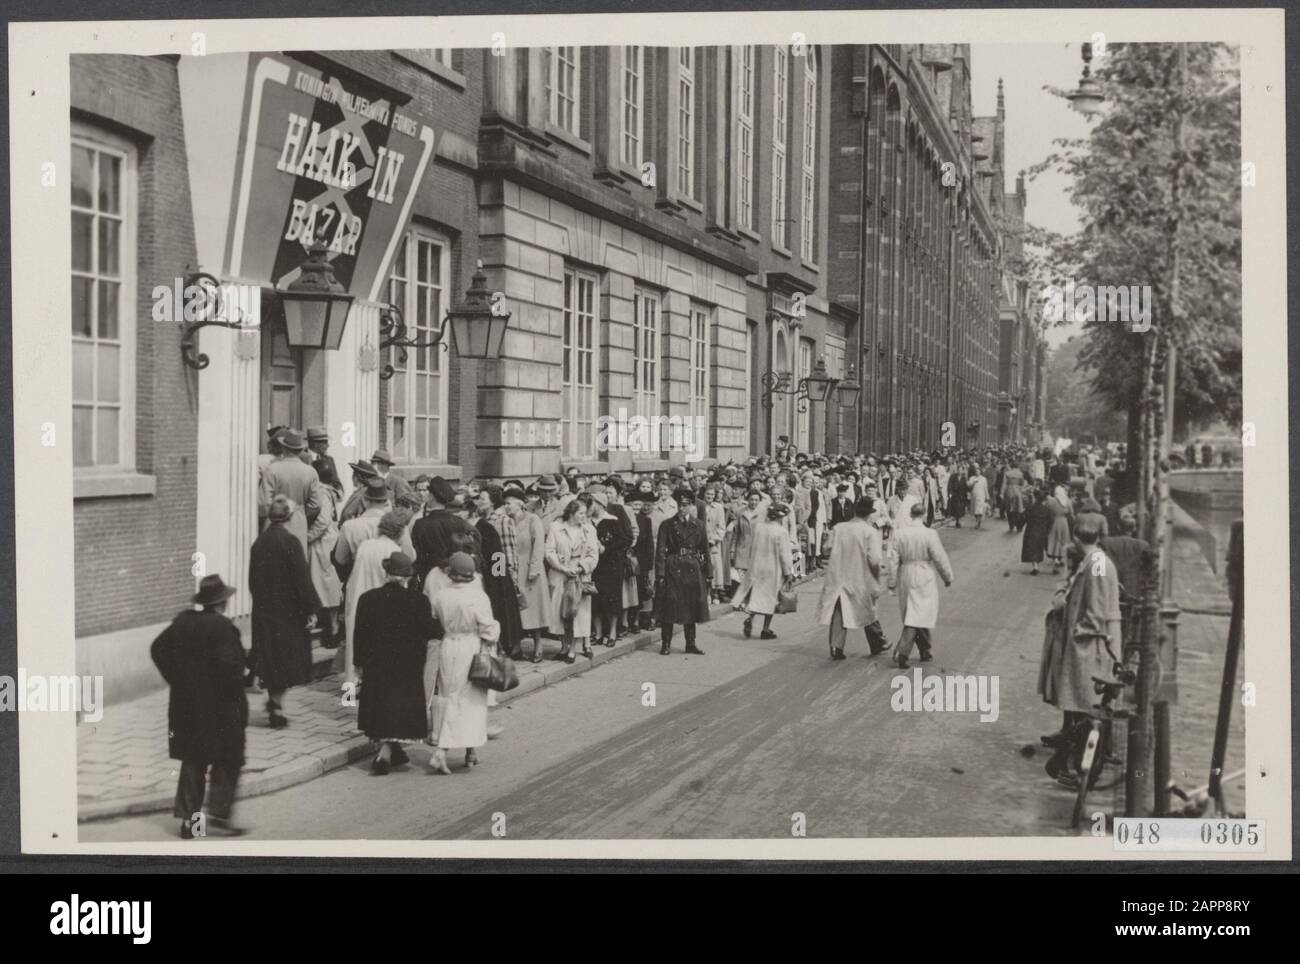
(1090, 761)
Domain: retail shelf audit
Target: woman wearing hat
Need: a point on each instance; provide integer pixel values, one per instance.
(530, 556)
(393, 629)
(460, 709)
(321, 539)
(571, 554)
(614, 542)
(769, 570)
(499, 542)
(202, 659)
(368, 573)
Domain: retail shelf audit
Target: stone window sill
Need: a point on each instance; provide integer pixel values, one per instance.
(114, 486)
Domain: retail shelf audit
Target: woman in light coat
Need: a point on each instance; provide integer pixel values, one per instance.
(1058, 539)
(916, 555)
(530, 559)
(459, 708)
(979, 495)
(322, 535)
(769, 571)
(715, 527)
(571, 553)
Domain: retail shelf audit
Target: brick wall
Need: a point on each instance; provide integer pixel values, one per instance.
(133, 553)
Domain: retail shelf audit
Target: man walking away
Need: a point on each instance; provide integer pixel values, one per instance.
(202, 659)
(852, 585)
(916, 555)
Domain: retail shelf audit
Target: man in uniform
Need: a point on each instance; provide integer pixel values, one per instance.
(318, 443)
(682, 574)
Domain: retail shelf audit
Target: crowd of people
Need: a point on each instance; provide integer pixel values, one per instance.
(415, 578)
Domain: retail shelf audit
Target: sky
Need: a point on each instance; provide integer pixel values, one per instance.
(1035, 118)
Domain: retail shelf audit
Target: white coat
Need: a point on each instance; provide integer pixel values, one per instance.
(465, 613)
(915, 554)
(769, 567)
(855, 552)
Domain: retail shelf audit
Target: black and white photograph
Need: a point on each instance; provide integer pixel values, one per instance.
(749, 434)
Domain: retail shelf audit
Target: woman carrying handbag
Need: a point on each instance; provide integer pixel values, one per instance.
(571, 555)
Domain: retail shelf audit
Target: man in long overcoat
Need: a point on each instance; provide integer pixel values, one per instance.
(852, 582)
(290, 476)
(682, 574)
(202, 659)
(284, 609)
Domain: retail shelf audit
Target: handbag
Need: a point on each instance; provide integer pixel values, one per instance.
(588, 586)
(786, 601)
(571, 598)
(492, 672)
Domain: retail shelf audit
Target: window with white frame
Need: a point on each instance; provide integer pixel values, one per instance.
(561, 72)
(578, 376)
(801, 414)
(103, 300)
(417, 392)
(645, 354)
(808, 242)
(701, 323)
(780, 116)
(743, 58)
(633, 105)
(686, 122)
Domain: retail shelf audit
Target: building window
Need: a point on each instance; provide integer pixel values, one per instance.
(780, 116)
(633, 105)
(744, 60)
(417, 392)
(686, 122)
(801, 414)
(578, 378)
(700, 364)
(103, 300)
(809, 184)
(561, 69)
(645, 354)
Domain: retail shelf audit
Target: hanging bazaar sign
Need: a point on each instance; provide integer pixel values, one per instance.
(329, 156)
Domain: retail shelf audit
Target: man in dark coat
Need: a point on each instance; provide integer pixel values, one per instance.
(284, 609)
(441, 532)
(393, 629)
(682, 574)
(202, 659)
(841, 507)
(318, 443)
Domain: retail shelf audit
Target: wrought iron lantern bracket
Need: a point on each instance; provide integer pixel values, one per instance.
(393, 334)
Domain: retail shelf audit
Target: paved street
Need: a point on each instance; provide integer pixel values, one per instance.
(741, 739)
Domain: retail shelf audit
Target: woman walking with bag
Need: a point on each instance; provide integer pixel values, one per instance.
(769, 571)
(571, 556)
(458, 708)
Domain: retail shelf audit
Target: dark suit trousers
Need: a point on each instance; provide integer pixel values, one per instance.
(191, 785)
(876, 640)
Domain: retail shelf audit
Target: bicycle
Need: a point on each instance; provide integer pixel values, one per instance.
(1095, 745)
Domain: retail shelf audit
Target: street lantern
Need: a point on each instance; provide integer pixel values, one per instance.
(818, 385)
(478, 328)
(1087, 98)
(847, 391)
(315, 305)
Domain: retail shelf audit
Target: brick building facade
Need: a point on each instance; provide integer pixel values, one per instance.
(920, 247)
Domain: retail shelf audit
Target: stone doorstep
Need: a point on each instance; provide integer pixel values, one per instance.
(333, 757)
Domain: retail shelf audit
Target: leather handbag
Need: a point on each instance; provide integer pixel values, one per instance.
(492, 672)
(786, 601)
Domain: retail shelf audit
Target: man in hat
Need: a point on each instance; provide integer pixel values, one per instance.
(842, 506)
(362, 472)
(284, 609)
(273, 449)
(290, 476)
(375, 502)
(852, 586)
(441, 532)
(548, 504)
(202, 659)
(318, 444)
(682, 574)
(384, 466)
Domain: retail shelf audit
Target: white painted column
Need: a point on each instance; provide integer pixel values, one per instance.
(351, 394)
